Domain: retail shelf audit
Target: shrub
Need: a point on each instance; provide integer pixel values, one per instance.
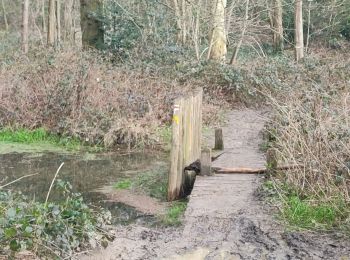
(77, 94)
(55, 229)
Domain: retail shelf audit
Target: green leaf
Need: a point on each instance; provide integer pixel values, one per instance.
(14, 245)
(11, 212)
(10, 232)
(28, 229)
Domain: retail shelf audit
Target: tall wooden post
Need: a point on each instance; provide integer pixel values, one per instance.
(186, 141)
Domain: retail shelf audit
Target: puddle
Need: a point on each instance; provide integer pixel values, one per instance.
(86, 172)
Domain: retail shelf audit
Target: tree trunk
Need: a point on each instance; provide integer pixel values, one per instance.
(245, 24)
(92, 28)
(299, 36)
(277, 25)
(5, 15)
(217, 48)
(51, 30)
(58, 22)
(25, 21)
(43, 15)
(68, 21)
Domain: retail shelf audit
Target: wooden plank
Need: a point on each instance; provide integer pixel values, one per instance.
(206, 162)
(219, 142)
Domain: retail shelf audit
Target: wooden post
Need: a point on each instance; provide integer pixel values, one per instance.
(219, 142)
(176, 152)
(186, 141)
(271, 160)
(206, 162)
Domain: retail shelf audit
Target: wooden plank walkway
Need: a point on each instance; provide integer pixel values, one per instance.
(219, 197)
(223, 193)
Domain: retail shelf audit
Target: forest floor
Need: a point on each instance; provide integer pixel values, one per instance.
(227, 217)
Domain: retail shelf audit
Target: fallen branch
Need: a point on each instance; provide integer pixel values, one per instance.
(53, 180)
(213, 158)
(250, 170)
(12, 182)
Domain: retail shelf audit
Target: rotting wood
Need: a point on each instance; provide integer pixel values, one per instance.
(219, 140)
(206, 162)
(186, 140)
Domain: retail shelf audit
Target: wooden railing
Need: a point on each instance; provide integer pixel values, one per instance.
(186, 140)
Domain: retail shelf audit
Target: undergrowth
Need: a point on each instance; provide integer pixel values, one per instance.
(53, 229)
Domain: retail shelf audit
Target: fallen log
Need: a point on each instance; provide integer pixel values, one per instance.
(250, 170)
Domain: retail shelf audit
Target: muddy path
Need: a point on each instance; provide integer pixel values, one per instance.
(226, 217)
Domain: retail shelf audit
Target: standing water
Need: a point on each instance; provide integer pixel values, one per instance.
(88, 173)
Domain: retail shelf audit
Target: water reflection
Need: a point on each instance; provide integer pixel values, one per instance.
(86, 172)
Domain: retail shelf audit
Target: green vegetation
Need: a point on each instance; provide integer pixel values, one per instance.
(307, 212)
(174, 213)
(123, 184)
(40, 136)
(153, 183)
(55, 229)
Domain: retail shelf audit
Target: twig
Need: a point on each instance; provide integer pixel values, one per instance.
(54, 178)
(12, 182)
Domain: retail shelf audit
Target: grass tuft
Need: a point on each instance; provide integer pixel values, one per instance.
(123, 184)
(175, 213)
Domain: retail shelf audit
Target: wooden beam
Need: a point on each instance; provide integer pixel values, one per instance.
(242, 170)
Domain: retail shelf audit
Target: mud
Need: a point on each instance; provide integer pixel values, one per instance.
(250, 233)
(140, 202)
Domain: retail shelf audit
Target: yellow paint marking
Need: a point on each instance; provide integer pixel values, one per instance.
(176, 119)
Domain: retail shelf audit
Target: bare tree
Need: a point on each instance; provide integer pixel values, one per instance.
(218, 39)
(25, 22)
(68, 21)
(299, 35)
(277, 25)
(43, 15)
(5, 15)
(51, 30)
(58, 22)
(245, 25)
